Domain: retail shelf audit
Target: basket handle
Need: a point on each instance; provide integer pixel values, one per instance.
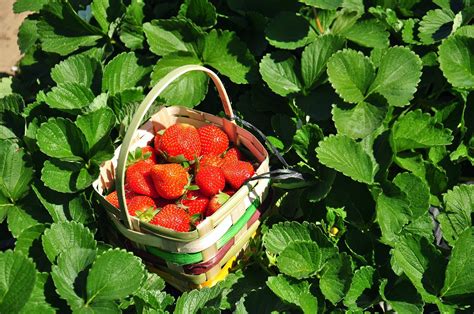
(140, 113)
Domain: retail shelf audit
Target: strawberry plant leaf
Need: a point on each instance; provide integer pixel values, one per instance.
(16, 172)
(324, 4)
(392, 214)
(166, 36)
(26, 238)
(96, 126)
(293, 291)
(188, 90)
(106, 285)
(336, 277)
(224, 51)
(315, 57)
(63, 236)
(37, 301)
(21, 6)
(79, 69)
(279, 70)
(19, 219)
(5, 86)
(358, 121)
(435, 25)
(69, 97)
(17, 281)
(417, 192)
(459, 282)
(455, 56)
(300, 259)
(27, 34)
(281, 36)
(123, 72)
(131, 28)
(106, 11)
(398, 76)
(418, 130)
(347, 156)
(67, 177)
(403, 297)
(455, 218)
(363, 279)
(61, 138)
(368, 33)
(201, 12)
(151, 293)
(306, 140)
(350, 74)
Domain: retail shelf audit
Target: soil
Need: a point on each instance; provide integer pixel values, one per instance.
(9, 24)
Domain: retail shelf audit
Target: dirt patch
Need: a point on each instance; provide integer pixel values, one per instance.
(9, 24)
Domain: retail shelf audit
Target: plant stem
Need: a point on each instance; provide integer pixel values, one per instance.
(318, 22)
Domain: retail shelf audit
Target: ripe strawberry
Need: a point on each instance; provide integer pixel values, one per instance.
(210, 180)
(214, 141)
(180, 141)
(236, 172)
(161, 202)
(172, 217)
(195, 203)
(149, 155)
(157, 140)
(216, 202)
(170, 180)
(138, 178)
(210, 160)
(233, 154)
(142, 207)
(112, 198)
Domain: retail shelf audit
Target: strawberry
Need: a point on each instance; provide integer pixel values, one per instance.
(149, 155)
(161, 202)
(216, 202)
(157, 140)
(112, 198)
(170, 180)
(210, 180)
(236, 172)
(233, 154)
(142, 207)
(180, 141)
(213, 140)
(195, 203)
(138, 179)
(172, 217)
(210, 160)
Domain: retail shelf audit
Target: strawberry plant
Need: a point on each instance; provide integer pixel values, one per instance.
(371, 101)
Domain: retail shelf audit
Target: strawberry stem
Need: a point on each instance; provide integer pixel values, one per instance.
(318, 21)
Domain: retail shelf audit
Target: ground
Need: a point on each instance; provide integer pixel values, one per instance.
(9, 24)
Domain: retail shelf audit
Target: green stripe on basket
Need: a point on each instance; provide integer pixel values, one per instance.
(192, 258)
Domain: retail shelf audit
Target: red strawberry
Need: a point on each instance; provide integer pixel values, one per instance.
(172, 217)
(233, 154)
(195, 203)
(236, 172)
(213, 140)
(216, 202)
(112, 198)
(138, 178)
(157, 139)
(170, 180)
(210, 160)
(149, 155)
(210, 180)
(180, 141)
(141, 206)
(161, 202)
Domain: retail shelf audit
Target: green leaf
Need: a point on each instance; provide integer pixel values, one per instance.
(347, 156)
(281, 36)
(26, 238)
(456, 216)
(19, 219)
(350, 74)
(293, 291)
(6, 86)
(397, 76)
(358, 121)
(459, 281)
(131, 28)
(368, 33)
(27, 35)
(63, 236)
(77, 69)
(392, 214)
(456, 56)
(363, 279)
(188, 90)
(403, 298)
(280, 71)
(224, 51)
(418, 130)
(37, 301)
(300, 259)
(315, 57)
(69, 97)
(60, 138)
(201, 12)
(306, 140)
(28, 5)
(96, 126)
(15, 171)
(151, 292)
(123, 72)
(435, 25)
(166, 36)
(106, 11)
(17, 279)
(336, 277)
(417, 192)
(66, 271)
(324, 4)
(67, 177)
(104, 284)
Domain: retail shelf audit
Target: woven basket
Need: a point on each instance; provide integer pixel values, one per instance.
(233, 223)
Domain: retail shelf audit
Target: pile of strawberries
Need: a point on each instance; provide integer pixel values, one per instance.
(185, 177)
